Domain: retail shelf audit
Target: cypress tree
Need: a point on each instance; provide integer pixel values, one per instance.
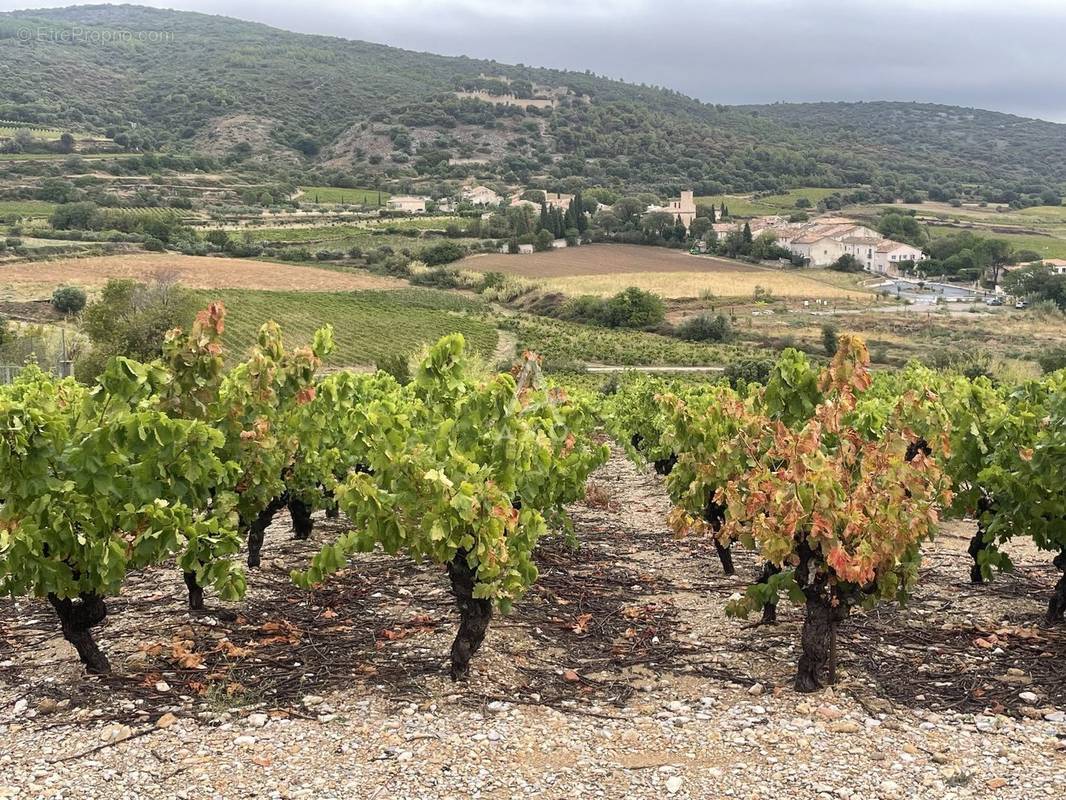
(680, 231)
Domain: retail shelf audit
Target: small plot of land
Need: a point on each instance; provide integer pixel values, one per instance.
(605, 269)
(1047, 245)
(336, 194)
(568, 344)
(23, 280)
(751, 206)
(367, 325)
(26, 208)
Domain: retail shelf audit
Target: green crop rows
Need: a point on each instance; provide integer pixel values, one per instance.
(367, 325)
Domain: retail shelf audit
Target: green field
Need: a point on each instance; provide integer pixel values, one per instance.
(47, 134)
(64, 156)
(26, 208)
(417, 223)
(334, 194)
(367, 325)
(1046, 246)
(749, 206)
(567, 345)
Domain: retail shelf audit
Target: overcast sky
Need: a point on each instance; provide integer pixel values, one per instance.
(1007, 56)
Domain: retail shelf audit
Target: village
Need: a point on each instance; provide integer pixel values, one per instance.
(818, 242)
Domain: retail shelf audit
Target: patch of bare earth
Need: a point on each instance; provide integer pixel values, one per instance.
(599, 259)
(197, 272)
(618, 675)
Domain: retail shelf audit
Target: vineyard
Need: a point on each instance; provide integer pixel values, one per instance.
(367, 326)
(324, 530)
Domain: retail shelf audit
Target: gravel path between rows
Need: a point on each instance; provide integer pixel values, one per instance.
(678, 702)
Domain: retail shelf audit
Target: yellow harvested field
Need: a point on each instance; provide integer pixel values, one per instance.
(37, 279)
(678, 285)
(605, 269)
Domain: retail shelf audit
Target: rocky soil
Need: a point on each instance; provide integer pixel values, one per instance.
(617, 676)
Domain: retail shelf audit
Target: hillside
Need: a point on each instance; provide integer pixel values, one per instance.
(197, 83)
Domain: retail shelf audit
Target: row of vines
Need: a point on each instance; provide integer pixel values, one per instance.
(182, 460)
(836, 477)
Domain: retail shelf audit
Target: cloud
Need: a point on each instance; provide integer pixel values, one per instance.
(1004, 56)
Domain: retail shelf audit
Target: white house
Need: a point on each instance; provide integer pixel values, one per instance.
(819, 249)
(409, 203)
(557, 200)
(889, 254)
(863, 248)
(481, 196)
(519, 202)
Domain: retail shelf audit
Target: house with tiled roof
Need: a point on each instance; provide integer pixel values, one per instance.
(889, 255)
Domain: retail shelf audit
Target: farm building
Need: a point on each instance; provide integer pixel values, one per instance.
(819, 249)
(889, 254)
(481, 196)
(557, 200)
(684, 207)
(409, 203)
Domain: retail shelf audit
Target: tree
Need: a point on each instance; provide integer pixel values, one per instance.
(704, 328)
(219, 239)
(543, 240)
(1052, 359)
(997, 253)
(830, 339)
(628, 209)
(68, 299)
(765, 247)
(657, 223)
(1037, 282)
(746, 235)
(699, 227)
(635, 308)
(441, 253)
(680, 231)
(130, 319)
(66, 143)
(902, 227)
(76, 216)
(847, 263)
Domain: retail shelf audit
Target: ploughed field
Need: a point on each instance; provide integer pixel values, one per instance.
(618, 675)
(604, 269)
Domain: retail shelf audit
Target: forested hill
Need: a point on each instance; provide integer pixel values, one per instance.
(191, 82)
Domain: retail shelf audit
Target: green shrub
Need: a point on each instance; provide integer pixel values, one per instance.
(69, 299)
(1052, 359)
(397, 366)
(830, 339)
(748, 370)
(634, 308)
(441, 253)
(705, 328)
